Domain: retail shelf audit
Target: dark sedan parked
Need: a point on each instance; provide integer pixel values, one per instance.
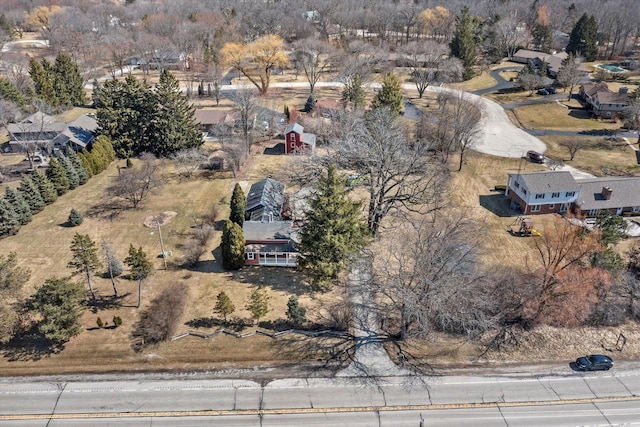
(594, 362)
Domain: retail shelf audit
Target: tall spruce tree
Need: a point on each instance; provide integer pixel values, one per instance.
(353, 92)
(584, 38)
(464, 42)
(140, 267)
(86, 162)
(258, 304)
(19, 205)
(333, 230)
(46, 189)
(84, 259)
(83, 174)
(68, 82)
(390, 95)
(31, 194)
(43, 81)
(9, 222)
(174, 127)
(60, 303)
(232, 246)
(58, 176)
(238, 205)
(70, 170)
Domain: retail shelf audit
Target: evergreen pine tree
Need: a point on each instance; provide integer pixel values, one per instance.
(174, 127)
(258, 303)
(140, 267)
(238, 205)
(83, 174)
(72, 175)
(464, 41)
(232, 246)
(60, 303)
(45, 187)
(584, 38)
(310, 104)
(86, 163)
(390, 95)
(224, 305)
(58, 176)
(75, 218)
(19, 204)
(353, 92)
(43, 81)
(295, 312)
(68, 82)
(84, 258)
(333, 230)
(31, 194)
(9, 222)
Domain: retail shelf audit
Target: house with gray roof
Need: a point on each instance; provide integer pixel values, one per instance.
(559, 192)
(40, 131)
(265, 200)
(602, 101)
(535, 58)
(269, 237)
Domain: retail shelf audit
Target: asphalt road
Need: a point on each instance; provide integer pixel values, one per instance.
(388, 401)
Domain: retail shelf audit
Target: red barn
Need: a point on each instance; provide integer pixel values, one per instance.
(296, 141)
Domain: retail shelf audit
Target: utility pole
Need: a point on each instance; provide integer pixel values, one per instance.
(164, 254)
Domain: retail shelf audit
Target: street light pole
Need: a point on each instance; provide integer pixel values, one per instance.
(164, 254)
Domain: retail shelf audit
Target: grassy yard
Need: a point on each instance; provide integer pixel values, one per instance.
(43, 246)
(556, 116)
(479, 82)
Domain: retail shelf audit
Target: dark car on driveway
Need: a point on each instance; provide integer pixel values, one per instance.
(535, 157)
(594, 362)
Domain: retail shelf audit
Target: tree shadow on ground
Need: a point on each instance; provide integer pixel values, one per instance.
(235, 324)
(108, 210)
(277, 278)
(497, 204)
(29, 346)
(107, 302)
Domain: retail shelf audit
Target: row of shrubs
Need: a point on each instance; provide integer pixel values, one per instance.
(64, 173)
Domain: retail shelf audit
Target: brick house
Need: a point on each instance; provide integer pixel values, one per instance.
(559, 192)
(298, 142)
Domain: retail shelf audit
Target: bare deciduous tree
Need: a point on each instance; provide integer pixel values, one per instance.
(399, 176)
(570, 73)
(247, 103)
(315, 58)
(573, 145)
(428, 63)
(189, 160)
(135, 184)
(427, 273)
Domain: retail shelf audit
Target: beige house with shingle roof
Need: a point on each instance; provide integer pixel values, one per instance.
(559, 192)
(603, 102)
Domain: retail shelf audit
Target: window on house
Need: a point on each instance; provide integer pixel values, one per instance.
(555, 195)
(540, 196)
(593, 212)
(535, 208)
(636, 209)
(516, 184)
(292, 137)
(570, 193)
(524, 191)
(552, 206)
(250, 255)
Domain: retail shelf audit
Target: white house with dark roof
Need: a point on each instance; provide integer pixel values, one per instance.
(560, 192)
(535, 58)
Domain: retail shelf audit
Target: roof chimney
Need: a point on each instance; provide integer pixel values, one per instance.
(606, 192)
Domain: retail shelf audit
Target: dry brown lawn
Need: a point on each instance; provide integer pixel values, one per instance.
(616, 157)
(482, 81)
(555, 116)
(43, 246)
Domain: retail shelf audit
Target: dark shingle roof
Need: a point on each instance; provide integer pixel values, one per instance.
(265, 199)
